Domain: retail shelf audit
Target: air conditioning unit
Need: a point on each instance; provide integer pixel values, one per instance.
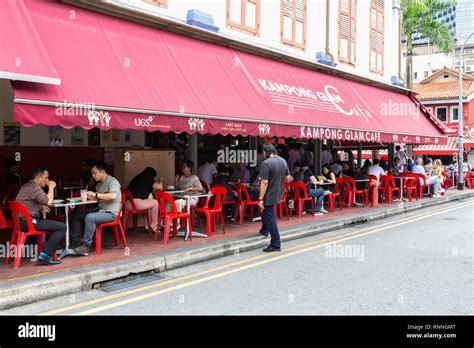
(469, 68)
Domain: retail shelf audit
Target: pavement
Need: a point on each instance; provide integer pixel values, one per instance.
(33, 283)
(416, 264)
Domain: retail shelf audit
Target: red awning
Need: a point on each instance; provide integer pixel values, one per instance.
(124, 75)
(23, 56)
(451, 148)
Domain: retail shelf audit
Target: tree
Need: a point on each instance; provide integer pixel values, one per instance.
(419, 16)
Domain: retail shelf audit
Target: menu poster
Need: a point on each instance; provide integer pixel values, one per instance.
(11, 133)
(115, 135)
(93, 137)
(77, 136)
(128, 137)
(56, 136)
(109, 155)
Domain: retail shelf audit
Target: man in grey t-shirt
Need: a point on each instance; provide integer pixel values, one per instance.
(109, 199)
(273, 174)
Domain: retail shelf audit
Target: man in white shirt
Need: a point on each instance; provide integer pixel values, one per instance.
(428, 165)
(207, 172)
(432, 180)
(376, 170)
(401, 155)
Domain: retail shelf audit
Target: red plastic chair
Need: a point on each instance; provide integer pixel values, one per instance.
(116, 226)
(389, 186)
(211, 213)
(336, 195)
(353, 192)
(135, 212)
(227, 202)
(283, 204)
(17, 208)
(410, 186)
(422, 184)
(301, 199)
(244, 201)
(168, 217)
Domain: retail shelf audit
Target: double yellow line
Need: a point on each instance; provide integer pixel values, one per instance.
(189, 280)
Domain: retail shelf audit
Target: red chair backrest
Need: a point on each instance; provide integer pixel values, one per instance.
(242, 192)
(127, 196)
(164, 197)
(219, 194)
(468, 175)
(297, 186)
(339, 184)
(372, 177)
(17, 208)
(388, 181)
(350, 182)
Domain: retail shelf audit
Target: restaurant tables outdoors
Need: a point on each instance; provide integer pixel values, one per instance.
(66, 204)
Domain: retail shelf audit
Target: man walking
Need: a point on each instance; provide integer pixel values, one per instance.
(273, 174)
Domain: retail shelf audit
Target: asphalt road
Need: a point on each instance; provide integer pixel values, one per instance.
(419, 263)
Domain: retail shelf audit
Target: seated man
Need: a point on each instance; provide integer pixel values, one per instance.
(109, 199)
(376, 170)
(32, 196)
(432, 180)
(306, 176)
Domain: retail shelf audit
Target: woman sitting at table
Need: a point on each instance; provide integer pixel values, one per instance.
(187, 182)
(141, 187)
(329, 177)
(437, 170)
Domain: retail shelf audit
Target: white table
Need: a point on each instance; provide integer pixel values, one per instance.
(66, 251)
(187, 197)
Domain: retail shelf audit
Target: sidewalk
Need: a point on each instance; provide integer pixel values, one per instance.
(32, 283)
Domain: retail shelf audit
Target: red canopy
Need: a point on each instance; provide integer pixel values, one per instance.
(125, 75)
(23, 56)
(451, 148)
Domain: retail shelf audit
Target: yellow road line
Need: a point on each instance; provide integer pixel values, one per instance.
(228, 265)
(253, 265)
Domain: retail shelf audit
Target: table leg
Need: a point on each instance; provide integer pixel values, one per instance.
(66, 251)
(188, 209)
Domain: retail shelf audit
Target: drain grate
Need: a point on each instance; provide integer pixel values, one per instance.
(127, 283)
(449, 218)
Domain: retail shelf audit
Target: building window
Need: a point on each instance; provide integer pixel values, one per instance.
(441, 113)
(416, 75)
(347, 31)
(293, 23)
(426, 74)
(454, 114)
(377, 36)
(160, 3)
(244, 15)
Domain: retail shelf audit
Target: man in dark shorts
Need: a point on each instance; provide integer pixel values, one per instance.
(273, 174)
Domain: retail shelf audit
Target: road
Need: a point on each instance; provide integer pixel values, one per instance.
(418, 263)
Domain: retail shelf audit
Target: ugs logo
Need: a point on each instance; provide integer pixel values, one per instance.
(144, 122)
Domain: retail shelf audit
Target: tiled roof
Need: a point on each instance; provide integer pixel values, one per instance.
(443, 90)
